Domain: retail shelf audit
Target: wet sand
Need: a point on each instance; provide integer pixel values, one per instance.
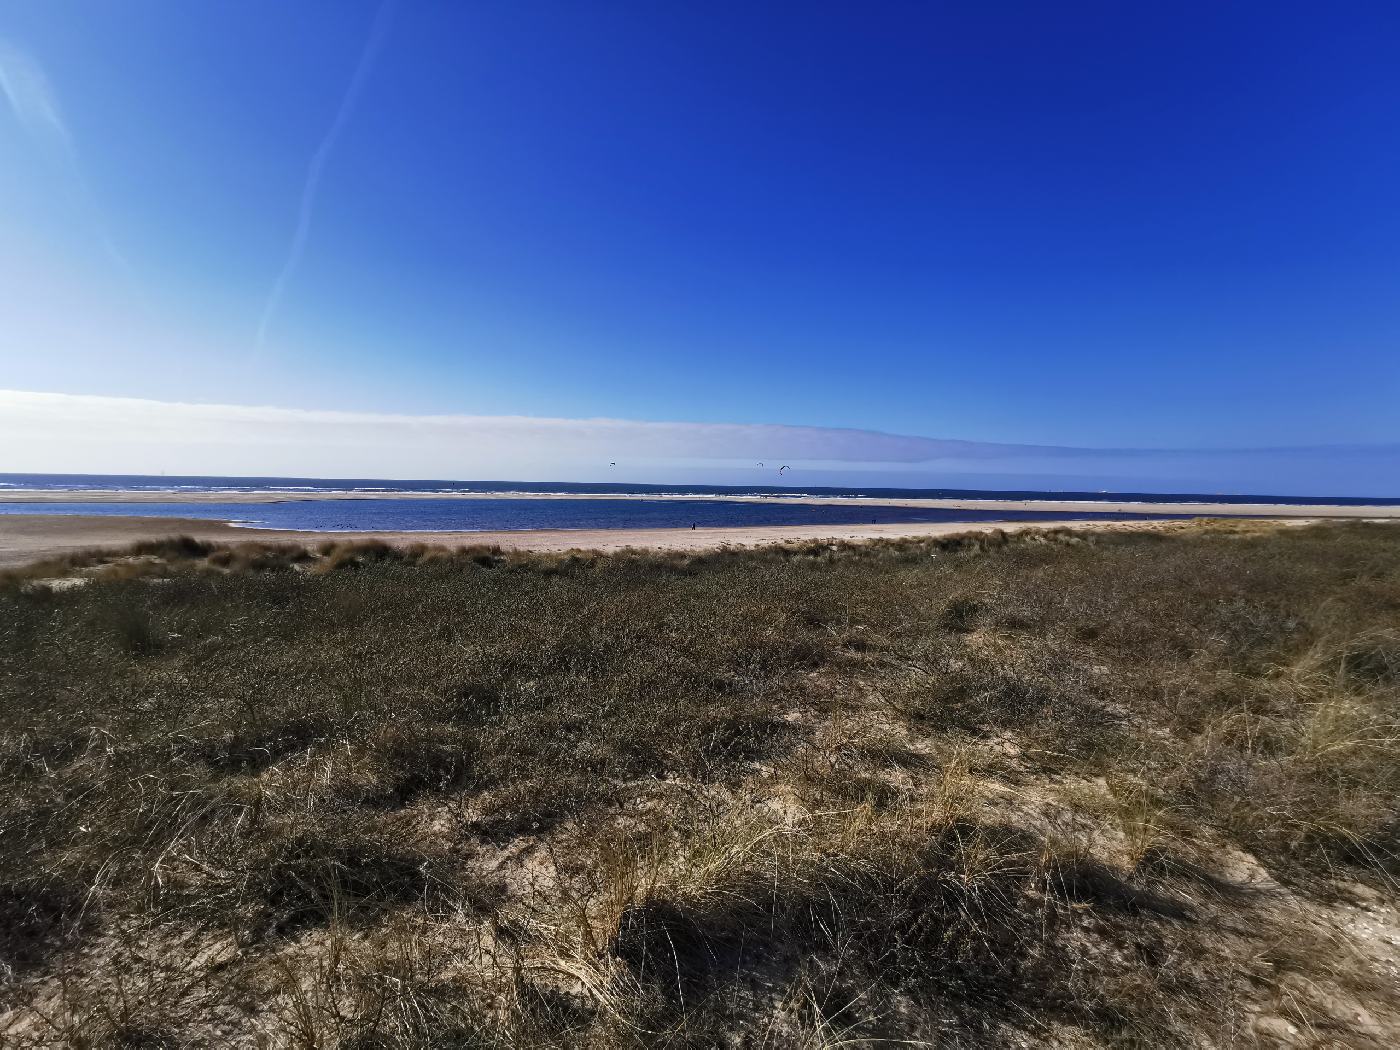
(26, 538)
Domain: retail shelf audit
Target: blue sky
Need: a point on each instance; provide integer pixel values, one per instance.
(1092, 225)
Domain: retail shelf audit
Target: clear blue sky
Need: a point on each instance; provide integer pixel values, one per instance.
(1093, 224)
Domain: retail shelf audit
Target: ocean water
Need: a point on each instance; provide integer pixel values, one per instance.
(686, 506)
(153, 482)
(458, 513)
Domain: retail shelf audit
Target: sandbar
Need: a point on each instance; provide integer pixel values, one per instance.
(1046, 506)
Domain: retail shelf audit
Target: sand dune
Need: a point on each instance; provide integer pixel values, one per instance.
(27, 538)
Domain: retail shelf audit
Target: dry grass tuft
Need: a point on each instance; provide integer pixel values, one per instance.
(1048, 789)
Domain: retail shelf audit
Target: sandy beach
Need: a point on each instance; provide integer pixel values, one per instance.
(26, 538)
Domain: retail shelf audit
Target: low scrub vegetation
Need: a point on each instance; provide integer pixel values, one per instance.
(1085, 789)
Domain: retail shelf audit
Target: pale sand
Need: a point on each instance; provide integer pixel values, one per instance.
(1046, 506)
(26, 538)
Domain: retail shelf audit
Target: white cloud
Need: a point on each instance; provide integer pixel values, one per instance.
(30, 96)
(311, 186)
(67, 433)
(35, 105)
(60, 432)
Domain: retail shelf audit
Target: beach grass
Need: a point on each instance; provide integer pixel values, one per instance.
(1054, 788)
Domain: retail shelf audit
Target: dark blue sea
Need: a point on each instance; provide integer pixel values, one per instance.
(401, 515)
(688, 506)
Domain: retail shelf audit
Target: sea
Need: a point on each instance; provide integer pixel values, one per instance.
(376, 509)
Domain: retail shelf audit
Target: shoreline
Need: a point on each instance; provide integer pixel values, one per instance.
(1048, 506)
(29, 538)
